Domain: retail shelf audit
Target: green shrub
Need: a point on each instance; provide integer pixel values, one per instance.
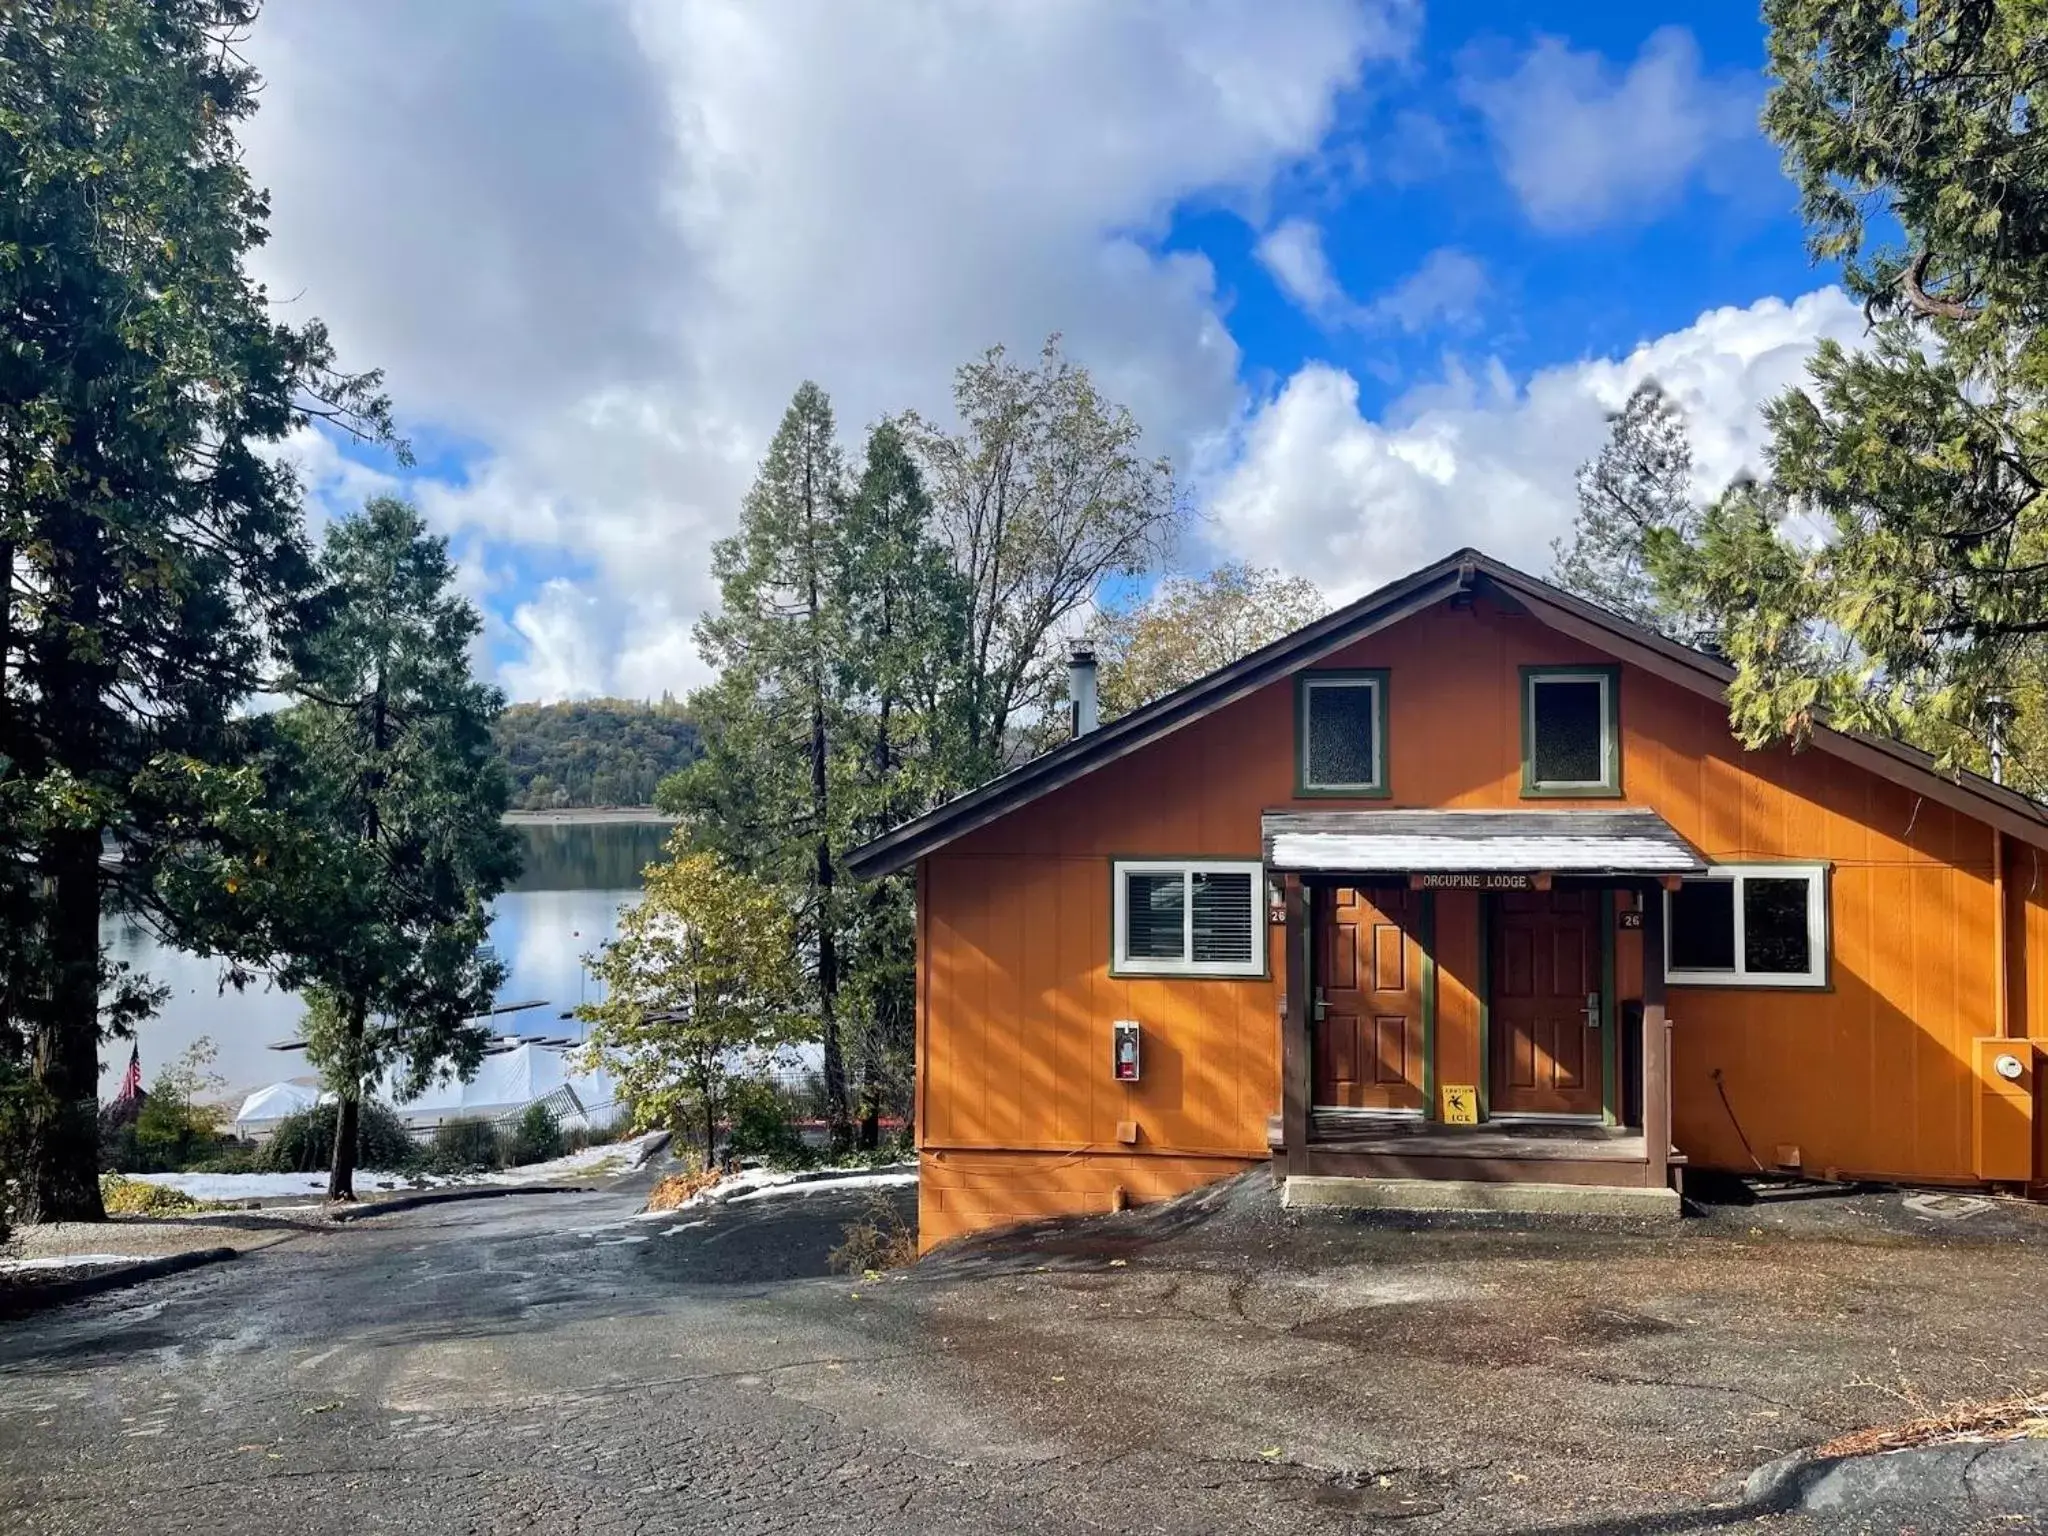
(536, 1138)
(762, 1127)
(464, 1146)
(304, 1142)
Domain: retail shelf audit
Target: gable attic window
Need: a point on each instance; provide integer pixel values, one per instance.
(1749, 925)
(1571, 731)
(1340, 734)
(1184, 917)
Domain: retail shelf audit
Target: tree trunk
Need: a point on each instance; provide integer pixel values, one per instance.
(837, 1112)
(341, 1177)
(871, 1091)
(60, 1179)
(710, 1134)
(341, 1174)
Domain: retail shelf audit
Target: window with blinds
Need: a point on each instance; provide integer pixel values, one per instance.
(1189, 918)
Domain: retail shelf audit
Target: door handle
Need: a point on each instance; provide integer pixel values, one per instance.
(1592, 1010)
(1318, 1009)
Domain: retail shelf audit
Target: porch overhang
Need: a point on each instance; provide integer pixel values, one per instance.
(1629, 843)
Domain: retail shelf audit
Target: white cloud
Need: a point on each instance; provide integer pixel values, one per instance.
(1445, 289)
(1480, 459)
(1582, 144)
(603, 244)
(1292, 251)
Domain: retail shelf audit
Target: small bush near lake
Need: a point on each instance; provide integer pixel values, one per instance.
(467, 1146)
(880, 1240)
(304, 1142)
(138, 1197)
(536, 1138)
(764, 1129)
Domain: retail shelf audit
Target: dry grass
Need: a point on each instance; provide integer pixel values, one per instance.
(138, 1197)
(880, 1240)
(2012, 1418)
(679, 1187)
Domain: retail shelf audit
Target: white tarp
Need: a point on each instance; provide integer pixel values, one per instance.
(267, 1105)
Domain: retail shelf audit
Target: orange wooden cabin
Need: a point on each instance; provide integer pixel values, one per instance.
(1468, 881)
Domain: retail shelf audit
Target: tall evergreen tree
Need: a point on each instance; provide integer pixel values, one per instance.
(149, 552)
(1892, 570)
(903, 622)
(395, 798)
(763, 794)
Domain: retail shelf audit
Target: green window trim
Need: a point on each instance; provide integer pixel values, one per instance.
(1608, 786)
(1305, 683)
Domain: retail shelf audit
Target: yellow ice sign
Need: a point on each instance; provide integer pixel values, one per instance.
(1461, 1104)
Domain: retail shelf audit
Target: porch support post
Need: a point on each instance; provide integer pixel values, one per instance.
(1294, 1046)
(1656, 1043)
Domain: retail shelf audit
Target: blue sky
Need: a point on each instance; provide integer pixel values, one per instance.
(1370, 271)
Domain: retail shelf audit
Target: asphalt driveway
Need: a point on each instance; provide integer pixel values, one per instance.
(554, 1362)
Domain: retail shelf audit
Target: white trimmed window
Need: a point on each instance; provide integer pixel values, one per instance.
(1749, 925)
(1181, 917)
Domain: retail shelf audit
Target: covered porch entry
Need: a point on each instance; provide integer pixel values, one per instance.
(1474, 997)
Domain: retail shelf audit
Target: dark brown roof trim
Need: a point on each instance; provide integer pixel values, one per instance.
(1464, 571)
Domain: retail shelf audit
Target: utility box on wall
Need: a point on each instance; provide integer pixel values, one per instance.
(2002, 1124)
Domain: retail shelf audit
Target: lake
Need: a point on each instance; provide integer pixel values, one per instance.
(564, 905)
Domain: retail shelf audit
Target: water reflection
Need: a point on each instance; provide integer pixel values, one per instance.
(566, 903)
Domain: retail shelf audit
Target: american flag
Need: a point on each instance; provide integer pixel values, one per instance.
(131, 1080)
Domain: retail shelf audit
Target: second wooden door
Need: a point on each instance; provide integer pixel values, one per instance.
(1544, 1021)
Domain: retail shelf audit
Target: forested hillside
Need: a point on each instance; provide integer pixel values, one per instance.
(592, 751)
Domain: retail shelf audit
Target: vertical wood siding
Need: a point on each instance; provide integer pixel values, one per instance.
(1871, 1076)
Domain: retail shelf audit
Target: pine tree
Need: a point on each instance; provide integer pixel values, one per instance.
(1638, 484)
(150, 554)
(763, 795)
(395, 800)
(903, 621)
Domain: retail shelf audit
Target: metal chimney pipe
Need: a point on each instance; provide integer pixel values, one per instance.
(1083, 710)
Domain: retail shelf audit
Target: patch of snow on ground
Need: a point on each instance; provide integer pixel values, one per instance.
(74, 1261)
(830, 1185)
(760, 1184)
(619, 1157)
(263, 1186)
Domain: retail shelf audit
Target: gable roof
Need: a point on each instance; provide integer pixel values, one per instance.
(1467, 571)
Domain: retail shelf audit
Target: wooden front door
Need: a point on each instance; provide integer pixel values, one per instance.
(1369, 1040)
(1545, 974)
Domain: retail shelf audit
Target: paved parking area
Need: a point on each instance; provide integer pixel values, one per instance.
(1217, 1367)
